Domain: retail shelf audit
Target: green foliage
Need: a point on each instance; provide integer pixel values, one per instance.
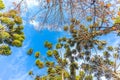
(81, 74)
(55, 52)
(49, 53)
(4, 35)
(12, 13)
(117, 20)
(49, 64)
(100, 47)
(39, 64)
(48, 45)
(5, 50)
(5, 20)
(58, 46)
(107, 63)
(116, 55)
(89, 77)
(77, 49)
(2, 6)
(11, 27)
(66, 74)
(30, 51)
(17, 43)
(110, 48)
(106, 54)
(30, 73)
(51, 70)
(37, 54)
(65, 28)
(89, 18)
(18, 20)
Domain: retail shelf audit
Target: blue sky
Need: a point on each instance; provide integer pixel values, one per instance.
(17, 65)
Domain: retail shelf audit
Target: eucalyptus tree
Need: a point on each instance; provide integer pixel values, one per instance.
(11, 33)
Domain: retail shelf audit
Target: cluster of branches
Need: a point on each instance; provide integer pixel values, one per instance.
(79, 53)
(56, 13)
(90, 20)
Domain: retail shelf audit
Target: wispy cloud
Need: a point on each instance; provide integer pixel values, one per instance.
(35, 24)
(29, 3)
(14, 66)
(39, 26)
(32, 3)
(20, 77)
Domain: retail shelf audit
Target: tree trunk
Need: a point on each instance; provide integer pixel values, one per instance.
(72, 69)
(62, 75)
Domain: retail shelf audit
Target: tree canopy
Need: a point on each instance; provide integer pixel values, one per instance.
(11, 33)
(57, 13)
(83, 54)
(79, 53)
(82, 51)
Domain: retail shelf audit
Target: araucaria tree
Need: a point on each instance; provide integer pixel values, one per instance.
(11, 33)
(81, 50)
(107, 64)
(77, 52)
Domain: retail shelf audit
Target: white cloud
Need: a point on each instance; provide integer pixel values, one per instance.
(28, 3)
(35, 24)
(39, 26)
(32, 3)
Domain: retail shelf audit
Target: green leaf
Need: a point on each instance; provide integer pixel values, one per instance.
(37, 54)
(49, 53)
(2, 6)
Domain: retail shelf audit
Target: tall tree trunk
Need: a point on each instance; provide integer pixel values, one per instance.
(72, 73)
(62, 75)
(72, 69)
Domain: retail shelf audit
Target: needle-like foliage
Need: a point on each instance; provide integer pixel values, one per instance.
(11, 33)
